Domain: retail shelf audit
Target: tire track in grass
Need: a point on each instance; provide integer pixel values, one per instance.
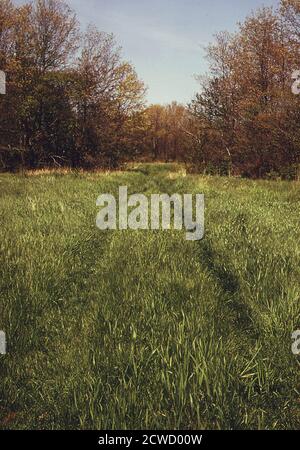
(117, 331)
(52, 356)
(71, 324)
(259, 373)
(188, 362)
(229, 284)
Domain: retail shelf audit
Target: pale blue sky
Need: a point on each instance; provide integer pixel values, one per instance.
(164, 39)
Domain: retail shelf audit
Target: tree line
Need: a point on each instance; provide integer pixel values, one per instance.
(246, 111)
(72, 100)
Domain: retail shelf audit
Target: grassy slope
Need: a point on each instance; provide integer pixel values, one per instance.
(144, 329)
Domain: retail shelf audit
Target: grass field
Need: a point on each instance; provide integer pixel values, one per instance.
(144, 329)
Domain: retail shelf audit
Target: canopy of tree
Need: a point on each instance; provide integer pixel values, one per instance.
(247, 114)
(71, 99)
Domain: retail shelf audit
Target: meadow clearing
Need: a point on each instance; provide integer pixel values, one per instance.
(143, 329)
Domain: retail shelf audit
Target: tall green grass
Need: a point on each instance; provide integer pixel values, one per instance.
(144, 329)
